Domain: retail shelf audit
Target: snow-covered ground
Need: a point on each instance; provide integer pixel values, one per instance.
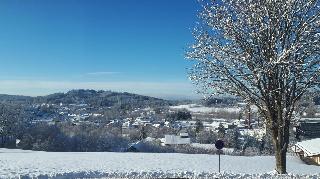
(28, 164)
(202, 109)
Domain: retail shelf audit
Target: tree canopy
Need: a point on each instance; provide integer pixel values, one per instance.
(266, 52)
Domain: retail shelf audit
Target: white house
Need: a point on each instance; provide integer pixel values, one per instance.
(181, 139)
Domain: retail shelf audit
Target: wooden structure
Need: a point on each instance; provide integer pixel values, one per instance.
(308, 150)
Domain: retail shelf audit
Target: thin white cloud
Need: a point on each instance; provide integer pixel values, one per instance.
(39, 87)
(100, 73)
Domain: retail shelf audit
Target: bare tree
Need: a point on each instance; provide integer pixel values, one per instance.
(264, 51)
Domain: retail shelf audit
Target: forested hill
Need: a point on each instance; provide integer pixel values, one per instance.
(90, 97)
(15, 99)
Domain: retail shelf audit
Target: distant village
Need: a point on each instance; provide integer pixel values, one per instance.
(243, 118)
(87, 120)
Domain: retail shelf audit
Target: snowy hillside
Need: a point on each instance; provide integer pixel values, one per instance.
(19, 163)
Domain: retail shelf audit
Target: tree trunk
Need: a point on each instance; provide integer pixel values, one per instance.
(280, 142)
(280, 135)
(281, 166)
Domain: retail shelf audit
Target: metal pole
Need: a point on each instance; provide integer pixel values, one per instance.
(219, 161)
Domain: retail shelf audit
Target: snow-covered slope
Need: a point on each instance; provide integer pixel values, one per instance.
(19, 163)
(202, 109)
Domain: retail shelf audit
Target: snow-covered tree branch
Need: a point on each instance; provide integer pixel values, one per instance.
(265, 51)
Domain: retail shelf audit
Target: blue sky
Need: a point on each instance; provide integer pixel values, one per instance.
(137, 46)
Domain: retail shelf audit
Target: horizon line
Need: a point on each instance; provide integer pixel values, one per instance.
(34, 88)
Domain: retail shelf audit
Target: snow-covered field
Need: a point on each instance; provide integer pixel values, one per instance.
(29, 164)
(195, 108)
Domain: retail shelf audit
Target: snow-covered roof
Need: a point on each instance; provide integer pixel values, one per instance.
(140, 146)
(309, 120)
(184, 134)
(310, 147)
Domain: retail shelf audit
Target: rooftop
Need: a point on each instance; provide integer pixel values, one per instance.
(310, 147)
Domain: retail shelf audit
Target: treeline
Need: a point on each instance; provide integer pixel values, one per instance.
(220, 101)
(13, 122)
(65, 137)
